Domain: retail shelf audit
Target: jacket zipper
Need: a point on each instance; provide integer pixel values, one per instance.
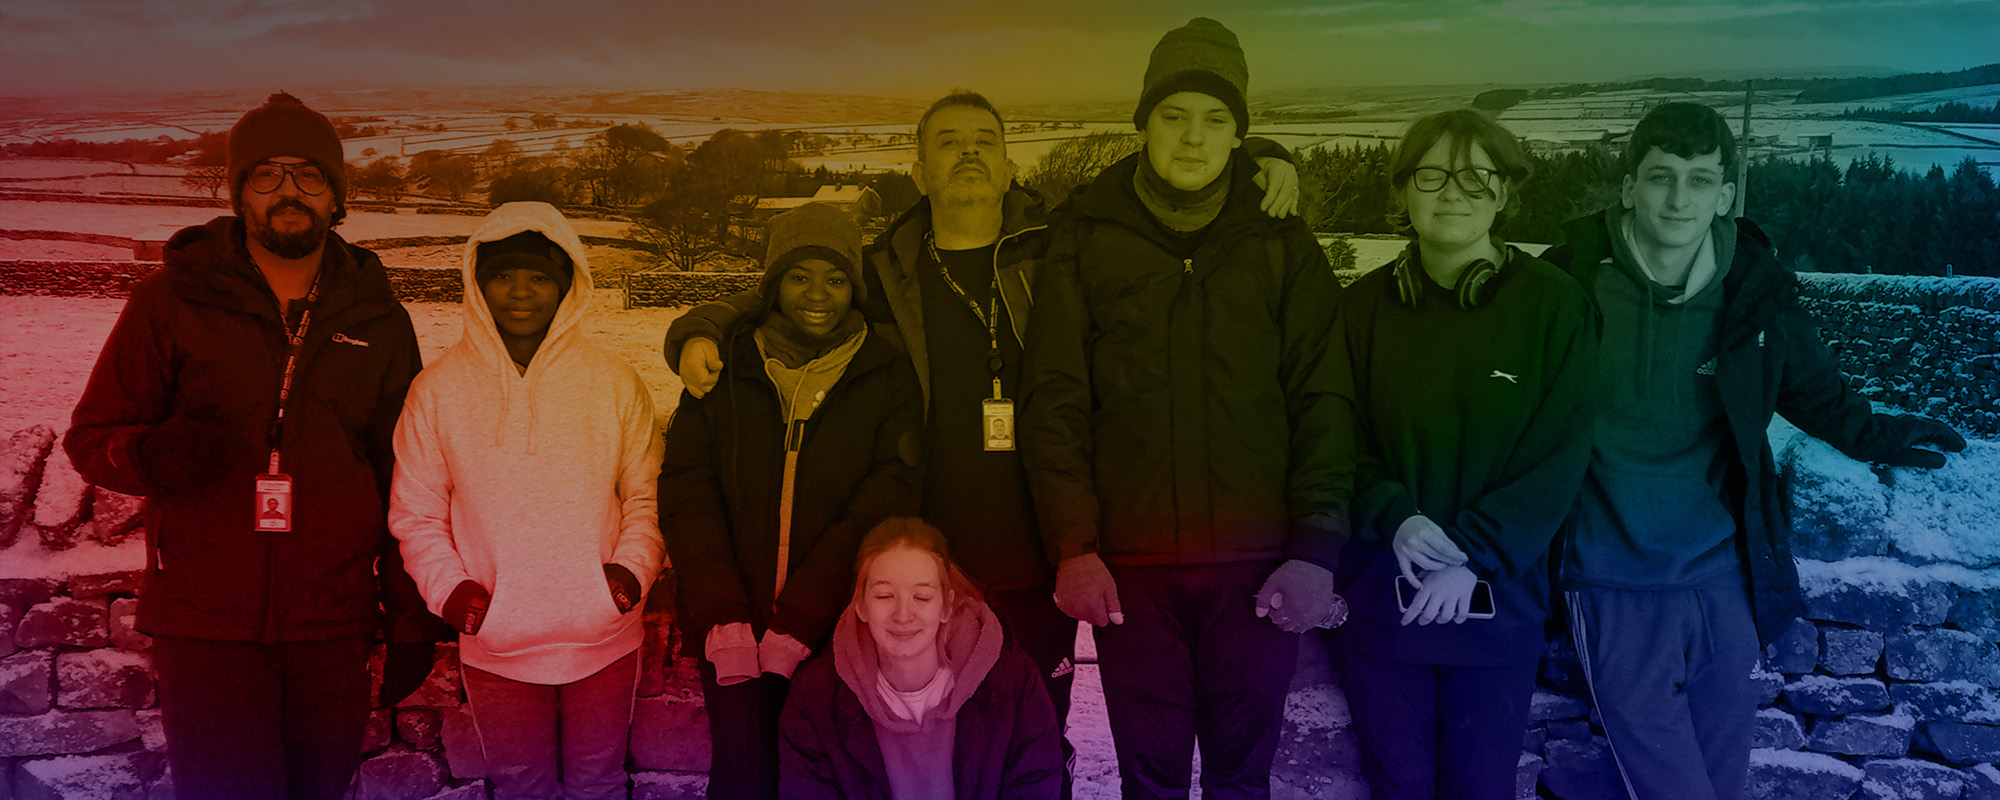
(1187, 266)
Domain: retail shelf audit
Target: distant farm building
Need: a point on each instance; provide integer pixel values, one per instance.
(1569, 141)
(749, 216)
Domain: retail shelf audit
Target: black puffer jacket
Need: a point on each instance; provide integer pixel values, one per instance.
(1183, 411)
(202, 338)
(723, 477)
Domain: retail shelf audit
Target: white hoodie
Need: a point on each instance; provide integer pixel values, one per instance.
(529, 484)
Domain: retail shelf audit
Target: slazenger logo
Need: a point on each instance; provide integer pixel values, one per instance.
(1513, 379)
(344, 339)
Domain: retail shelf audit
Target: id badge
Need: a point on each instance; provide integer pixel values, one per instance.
(999, 424)
(274, 503)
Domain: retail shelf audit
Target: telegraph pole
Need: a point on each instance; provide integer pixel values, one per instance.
(1743, 154)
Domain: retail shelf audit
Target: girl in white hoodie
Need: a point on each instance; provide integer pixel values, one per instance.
(524, 501)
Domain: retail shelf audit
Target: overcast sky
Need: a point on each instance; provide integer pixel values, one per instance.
(1024, 49)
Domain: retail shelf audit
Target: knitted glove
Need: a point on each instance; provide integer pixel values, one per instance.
(1085, 590)
(732, 648)
(624, 588)
(780, 653)
(1299, 597)
(465, 609)
(404, 668)
(1902, 450)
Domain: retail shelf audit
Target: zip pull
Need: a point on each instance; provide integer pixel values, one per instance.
(1187, 265)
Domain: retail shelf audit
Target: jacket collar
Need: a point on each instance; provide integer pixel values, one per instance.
(1020, 210)
(1111, 197)
(1753, 281)
(210, 264)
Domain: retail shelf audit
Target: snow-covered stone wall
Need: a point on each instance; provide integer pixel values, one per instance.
(671, 289)
(57, 278)
(1918, 343)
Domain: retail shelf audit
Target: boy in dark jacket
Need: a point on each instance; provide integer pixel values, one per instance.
(1180, 432)
(267, 361)
(1678, 563)
(771, 480)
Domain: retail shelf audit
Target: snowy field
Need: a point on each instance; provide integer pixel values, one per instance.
(147, 221)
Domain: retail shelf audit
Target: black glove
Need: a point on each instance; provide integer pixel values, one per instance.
(1909, 432)
(185, 450)
(404, 669)
(624, 588)
(466, 608)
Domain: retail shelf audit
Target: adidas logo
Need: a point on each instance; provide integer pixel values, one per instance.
(1706, 368)
(1065, 668)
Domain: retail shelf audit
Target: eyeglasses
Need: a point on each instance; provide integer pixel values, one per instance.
(267, 177)
(1475, 181)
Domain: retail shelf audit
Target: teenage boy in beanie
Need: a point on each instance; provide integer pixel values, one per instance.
(771, 480)
(1180, 435)
(262, 628)
(527, 463)
(973, 242)
(1678, 561)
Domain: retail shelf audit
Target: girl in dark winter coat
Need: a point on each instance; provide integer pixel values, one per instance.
(772, 478)
(922, 698)
(1471, 365)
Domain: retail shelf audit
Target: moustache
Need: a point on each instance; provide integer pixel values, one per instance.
(290, 203)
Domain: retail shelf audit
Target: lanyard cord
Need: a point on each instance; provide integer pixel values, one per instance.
(295, 339)
(991, 316)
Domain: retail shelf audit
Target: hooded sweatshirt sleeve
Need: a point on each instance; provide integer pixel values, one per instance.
(420, 505)
(639, 548)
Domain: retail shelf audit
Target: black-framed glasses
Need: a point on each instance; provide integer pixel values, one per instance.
(1476, 181)
(267, 177)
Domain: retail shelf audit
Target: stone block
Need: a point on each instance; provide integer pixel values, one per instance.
(1849, 651)
(398, 775)
(1317, 752)
(21, 593)
(61, 502)
(417, 727)
(670, 733)
(1580, 769)
(1910, 779)
(1977, 610)
(1942, 654)
(1838, 505)
(381, 729)
(104, 678)
(107, 583)
(1877, 594)
(1830, 696)
(65, 621)
(1767, 685)
(1777, 730)
(1981, 783)
(152, 729)
(1535, 740)
(25, 681)
(21, 459)
(1795, 651)
(114, 517)
(669, 786)
(462, 752)
(123, 620)
(62, 732)
(1545, 705)
(9, 617)
(1963, 743)
(1527, 776)
(1795, 774)
(1879, 735)
(97, 777)
(1948, 701)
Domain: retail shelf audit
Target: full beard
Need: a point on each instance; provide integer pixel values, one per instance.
(297, 244)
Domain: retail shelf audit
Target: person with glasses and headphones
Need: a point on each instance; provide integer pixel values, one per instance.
(1469, 365)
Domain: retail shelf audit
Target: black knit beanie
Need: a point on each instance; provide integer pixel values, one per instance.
(813, 230)
(283, 126)
(524, 250)
(1201, 56)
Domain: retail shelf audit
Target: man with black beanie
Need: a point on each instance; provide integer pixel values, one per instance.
(1180, 432)
(267, 361)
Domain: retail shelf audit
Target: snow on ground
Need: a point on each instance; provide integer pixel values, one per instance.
(59, 250)
(159, 221)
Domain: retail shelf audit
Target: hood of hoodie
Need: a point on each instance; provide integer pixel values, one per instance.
(482, 335)
(970, 643)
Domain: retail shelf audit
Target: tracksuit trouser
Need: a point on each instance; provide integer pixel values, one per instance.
(1194, 663)
(253, 721)
(1048, 636)
(1669, 672)
(566, 740)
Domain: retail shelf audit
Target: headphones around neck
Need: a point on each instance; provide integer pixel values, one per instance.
(1470, 289)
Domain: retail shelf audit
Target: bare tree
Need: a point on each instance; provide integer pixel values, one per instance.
(1075, 162)
(208, 178)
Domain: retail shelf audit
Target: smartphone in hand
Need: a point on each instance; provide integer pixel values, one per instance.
(1482, 597)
